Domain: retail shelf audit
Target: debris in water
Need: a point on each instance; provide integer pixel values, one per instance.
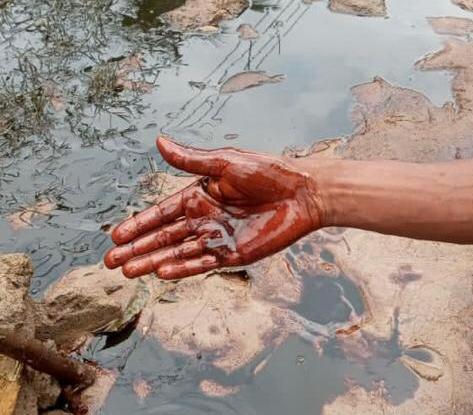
(55, 97)
(348, 331)
(114, 76)
(204, 14)
(130, 64)
(106, 227)
(249, 79)
(231, 136)
(211, 388)
(247, 32)
(359, 7)
(197, 85)
(260, 366)
(208, 29)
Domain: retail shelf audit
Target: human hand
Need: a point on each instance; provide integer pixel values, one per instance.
(246, 207)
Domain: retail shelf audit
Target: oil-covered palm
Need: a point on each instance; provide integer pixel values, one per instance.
(246, 207)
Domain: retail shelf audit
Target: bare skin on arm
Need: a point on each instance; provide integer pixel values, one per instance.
(248, 206)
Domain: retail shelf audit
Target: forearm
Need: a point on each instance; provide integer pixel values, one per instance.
(422, 201)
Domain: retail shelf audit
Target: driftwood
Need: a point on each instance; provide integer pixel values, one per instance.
(38, 356)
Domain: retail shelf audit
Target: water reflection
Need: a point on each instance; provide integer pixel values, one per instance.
(147, 13)
(71, 89)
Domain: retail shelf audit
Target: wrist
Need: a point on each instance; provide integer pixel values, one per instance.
(321, 177)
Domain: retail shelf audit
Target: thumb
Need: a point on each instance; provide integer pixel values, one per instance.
(193, 160)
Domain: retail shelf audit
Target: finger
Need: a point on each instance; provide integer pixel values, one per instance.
(193, 160)
(165, 236)
(164, 212)
(146, 264)
(187, 268)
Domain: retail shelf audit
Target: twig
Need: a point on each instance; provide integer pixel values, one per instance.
(34, 353)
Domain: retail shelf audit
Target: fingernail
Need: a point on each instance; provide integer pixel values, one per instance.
(131, 270)
(123, 233)
(109, 260)
(119, 255)
(165, 273)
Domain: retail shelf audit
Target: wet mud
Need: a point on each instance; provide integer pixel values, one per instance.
(456, 26)
(464, 4)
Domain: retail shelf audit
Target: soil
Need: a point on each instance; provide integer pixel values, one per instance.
(457, 26)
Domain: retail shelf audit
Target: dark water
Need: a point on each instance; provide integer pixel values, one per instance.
(87, 157)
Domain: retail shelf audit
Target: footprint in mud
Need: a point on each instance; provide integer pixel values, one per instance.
(329, 299)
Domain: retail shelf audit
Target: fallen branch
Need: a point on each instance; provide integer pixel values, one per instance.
(34, 353)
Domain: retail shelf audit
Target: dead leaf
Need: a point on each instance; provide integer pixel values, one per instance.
(126, 67)
(248, 79)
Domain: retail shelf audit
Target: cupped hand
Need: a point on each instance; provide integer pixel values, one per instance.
(245, 207)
